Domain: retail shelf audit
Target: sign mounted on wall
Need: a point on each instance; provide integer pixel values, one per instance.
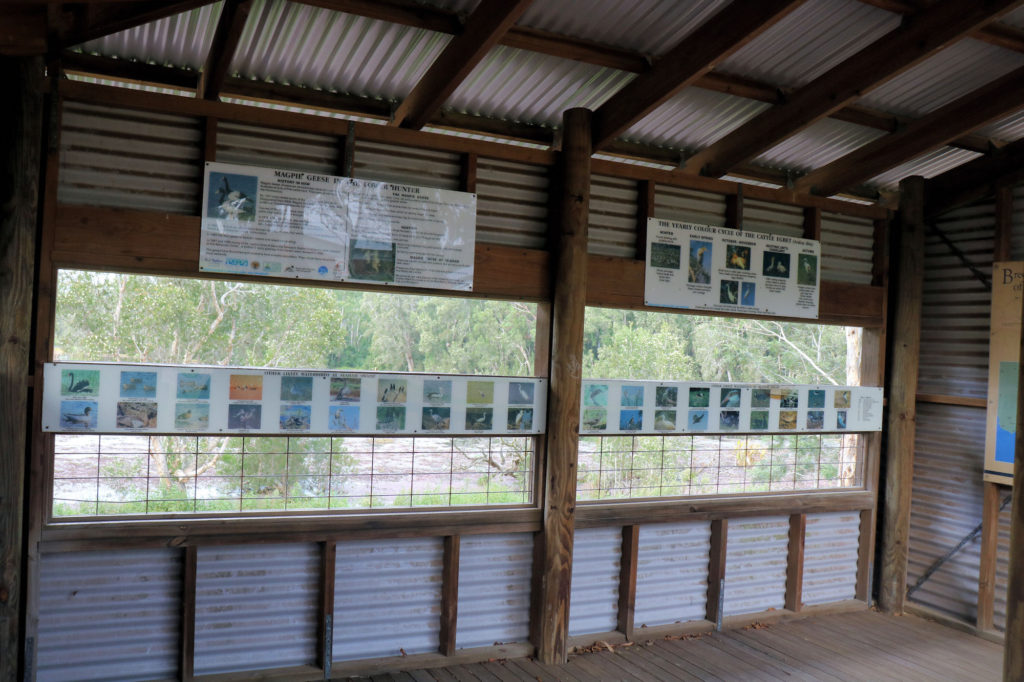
(281, 223)
(702, 267)
(1003, 359)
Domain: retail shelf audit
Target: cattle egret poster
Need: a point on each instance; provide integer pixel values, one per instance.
(702, 267)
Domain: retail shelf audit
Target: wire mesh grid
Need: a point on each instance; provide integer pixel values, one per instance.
(114, 474)
(632, 467)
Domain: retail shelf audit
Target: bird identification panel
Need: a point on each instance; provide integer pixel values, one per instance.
(283, 223)
(115, 398)
(702, 267)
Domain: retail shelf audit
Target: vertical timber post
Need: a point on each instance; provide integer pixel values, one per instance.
(569, 300)
(1013, 652)
(902, 389)
(21, 134)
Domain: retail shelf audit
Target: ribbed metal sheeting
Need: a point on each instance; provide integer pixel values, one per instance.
(946, 505)
(409, 165)
(847, 248)
(109, 615)
(927, 165)
(831, 545)
(1002, 567)
(689, 205)
(772, 218)
(277, 148)
(672, 573)
(1017, 222)
(755, 564)
(955, 305)
(256, 607)
(594, 598)
(511, 203)
(494, 589)
(613, 211)
(129, 159)
(387, 597)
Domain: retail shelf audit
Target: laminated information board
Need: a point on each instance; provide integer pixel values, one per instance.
(264, 221)
(115, 398)
(702, 267)
(1003, 364)
(665, 407)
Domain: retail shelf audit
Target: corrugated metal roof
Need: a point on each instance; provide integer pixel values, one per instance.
(1014, 18)
(944, 77)
(1006, 129)
(694, 118)
(818, 144)
(927, 165)
(518, 85)
(293, 43)
(808, 42)
(648, 26)
(181, 40)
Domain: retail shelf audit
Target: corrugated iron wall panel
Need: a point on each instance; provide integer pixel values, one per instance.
(387, 597)
(847, 248)
(494, 589)
(755, 564)
(689, 205)
(277, 148)
(613, 211)
(672, 573)
(765, 216)
(256, 607)
(831, 545)
(410, 165)
(1017, 222)
(511, 203)
(129, 159)
(946, 505)
(594, 599)
(1002, 567)
(110, 615)
(955, 305)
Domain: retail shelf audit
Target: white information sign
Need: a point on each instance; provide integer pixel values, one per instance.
(113, 398)
(658, 407)
(703, 267)
(282, 223)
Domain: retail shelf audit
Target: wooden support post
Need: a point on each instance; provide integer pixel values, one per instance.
(865, 554)
(906, 346)
(569, 302)
(645, 198)
(812, 223)
(716, 572)
(21, 133)
(627, 579)
(449, 594)
(468, 173)
(1013, 651)
(734, 209)
(348, 160)
(795, 562)
(210, 139)
(187, 650)
(325, 638)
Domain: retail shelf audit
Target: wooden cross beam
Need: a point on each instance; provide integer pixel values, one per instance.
(232, 20)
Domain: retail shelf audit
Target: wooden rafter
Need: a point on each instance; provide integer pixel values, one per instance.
(717, 38)
(233, 16)
(981, 106)
(974, 179)
(917, 37)
(484, 28)
(1002, 35)
(98, 19)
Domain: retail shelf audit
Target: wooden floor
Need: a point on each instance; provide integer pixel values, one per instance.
(856, 646)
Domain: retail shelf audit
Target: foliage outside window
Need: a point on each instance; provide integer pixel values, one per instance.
(132, 318)
(623, 344)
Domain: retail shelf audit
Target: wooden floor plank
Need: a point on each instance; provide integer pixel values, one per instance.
(680, 651)
(733, 647)
(811, 662)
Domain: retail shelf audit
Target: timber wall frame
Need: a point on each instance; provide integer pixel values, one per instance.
(111, 239)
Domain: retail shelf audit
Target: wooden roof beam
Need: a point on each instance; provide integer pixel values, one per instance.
(484, 28)
(714, 40)
(988, 103)
(974, 179)
(919, 36)
(102, 19)
(226, 37)
(1003, 35)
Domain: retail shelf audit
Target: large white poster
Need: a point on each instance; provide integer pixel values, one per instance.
(110, 398)
(617, 406)
(262, 221)
(702, 267)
